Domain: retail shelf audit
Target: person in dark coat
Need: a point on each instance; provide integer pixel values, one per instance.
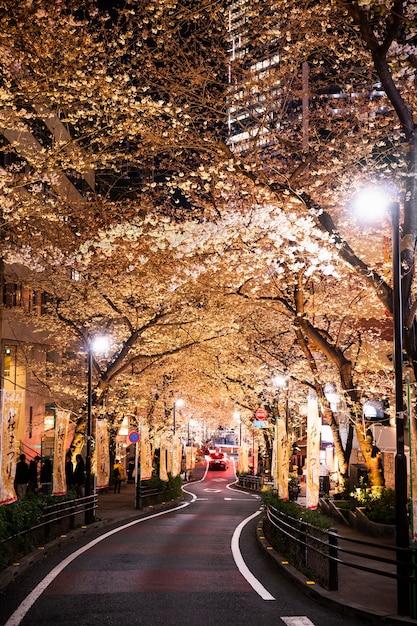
(46, 477)
(69, 471)
(33, 486)
(21, 479)
(79, 476)
(130, 468)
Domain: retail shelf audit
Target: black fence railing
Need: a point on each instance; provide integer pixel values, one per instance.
(149, 496)
(251, 482)
(324, 551)
(56, 519)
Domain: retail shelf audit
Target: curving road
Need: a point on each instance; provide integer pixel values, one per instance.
(197, 564)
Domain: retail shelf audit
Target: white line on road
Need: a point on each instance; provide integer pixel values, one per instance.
(29, 601)
(240, 563)
(239, 499)
(250, 495)
(300, 620)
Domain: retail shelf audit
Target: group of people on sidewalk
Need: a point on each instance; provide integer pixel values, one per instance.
(30, 479)
(28, 476)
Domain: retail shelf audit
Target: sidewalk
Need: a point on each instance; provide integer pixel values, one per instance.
(371, 598)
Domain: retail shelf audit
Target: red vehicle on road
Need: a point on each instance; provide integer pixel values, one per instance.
(218, 460)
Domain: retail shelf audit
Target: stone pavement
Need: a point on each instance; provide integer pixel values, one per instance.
(370, 598)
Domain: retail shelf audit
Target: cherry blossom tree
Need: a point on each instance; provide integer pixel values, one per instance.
(120, 175)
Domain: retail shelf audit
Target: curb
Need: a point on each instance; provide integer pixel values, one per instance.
(312, 590)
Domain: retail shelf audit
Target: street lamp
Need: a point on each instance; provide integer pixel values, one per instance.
(401, 516)
(177, 403)
(98, 344)
(236, 415)
(193, 423)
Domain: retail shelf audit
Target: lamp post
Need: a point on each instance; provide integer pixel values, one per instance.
(401, 514)
(99, 344)
(177, 403)
(236, 415)
(190, 434)
(401, 517)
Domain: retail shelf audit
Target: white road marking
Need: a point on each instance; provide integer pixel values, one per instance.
(232, 487)
(213, 490)
(241, 565)
(238, 499)
(300, 620)
(16, 618)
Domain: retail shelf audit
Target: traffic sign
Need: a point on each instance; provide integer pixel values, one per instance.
(260, 424)
(261, 414)
(134, 436)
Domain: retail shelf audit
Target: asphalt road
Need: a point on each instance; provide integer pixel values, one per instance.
(195, 565)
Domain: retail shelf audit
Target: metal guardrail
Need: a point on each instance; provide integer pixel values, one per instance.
(146, 496)
(55, 519)
(251, 482)
(320, 550)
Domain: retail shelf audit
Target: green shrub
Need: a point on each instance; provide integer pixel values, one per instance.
(18, 517)
(378, 503)
(292, 509)
(172, 488)
(14, 519)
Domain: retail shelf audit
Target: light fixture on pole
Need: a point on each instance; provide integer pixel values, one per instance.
(401, 517)
(177, 403)
(99, 344)
(237, 417)
(401, 513)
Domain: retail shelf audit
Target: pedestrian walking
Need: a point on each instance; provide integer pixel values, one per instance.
(118, 475)
(21, 477)
(79, 476)
(33, 486)
(46, 477)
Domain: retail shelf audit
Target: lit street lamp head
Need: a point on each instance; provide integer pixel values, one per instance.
(100, 344)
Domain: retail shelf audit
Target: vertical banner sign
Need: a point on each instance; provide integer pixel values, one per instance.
(313, 451)
(12, 404)
(189, 458)
(274, 461)
(163, 469)
(102, 453)
(282, 459)
(170, 445)
(145, 455)
(243, 459)
(176, 456)
(60, 439)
